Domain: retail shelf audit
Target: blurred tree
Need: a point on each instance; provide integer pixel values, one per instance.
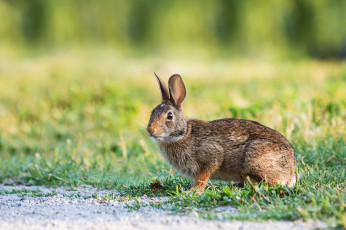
(228, 20)
(33, 19)
(313, 28)
(139, 21)
(300, 25)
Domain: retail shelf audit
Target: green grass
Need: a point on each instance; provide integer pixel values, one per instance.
(28, 192)
(81, 120)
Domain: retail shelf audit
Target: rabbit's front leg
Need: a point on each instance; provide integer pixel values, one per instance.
(200, 181)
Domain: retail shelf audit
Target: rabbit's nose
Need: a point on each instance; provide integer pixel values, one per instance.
(150, 130)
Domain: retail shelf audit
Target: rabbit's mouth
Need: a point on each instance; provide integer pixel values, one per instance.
(157, 138)
(154, 136)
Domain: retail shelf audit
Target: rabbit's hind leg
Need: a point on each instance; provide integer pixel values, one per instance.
(269, 161)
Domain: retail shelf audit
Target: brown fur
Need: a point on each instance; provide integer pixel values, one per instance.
(225, 149)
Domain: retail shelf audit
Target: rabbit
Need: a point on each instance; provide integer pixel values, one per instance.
(228, 149)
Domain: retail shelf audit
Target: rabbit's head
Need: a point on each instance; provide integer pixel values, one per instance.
(167, 123)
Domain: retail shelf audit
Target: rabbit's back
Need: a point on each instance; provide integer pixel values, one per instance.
(239, 131)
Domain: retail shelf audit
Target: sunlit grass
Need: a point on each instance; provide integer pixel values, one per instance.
(71, 120)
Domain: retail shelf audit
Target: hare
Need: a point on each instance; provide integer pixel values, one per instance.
(228, 149)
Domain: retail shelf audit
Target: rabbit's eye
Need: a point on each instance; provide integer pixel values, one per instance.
(170, 116)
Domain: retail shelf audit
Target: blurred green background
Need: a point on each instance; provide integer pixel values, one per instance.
(76, 81)
(197, 28)
(77, 88)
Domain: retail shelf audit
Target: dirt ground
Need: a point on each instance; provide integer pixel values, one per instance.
(80, 209)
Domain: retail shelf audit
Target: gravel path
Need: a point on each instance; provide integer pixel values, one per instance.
(68, 210)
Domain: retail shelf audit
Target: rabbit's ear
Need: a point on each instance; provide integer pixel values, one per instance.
(163, 89)
(177, 90)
